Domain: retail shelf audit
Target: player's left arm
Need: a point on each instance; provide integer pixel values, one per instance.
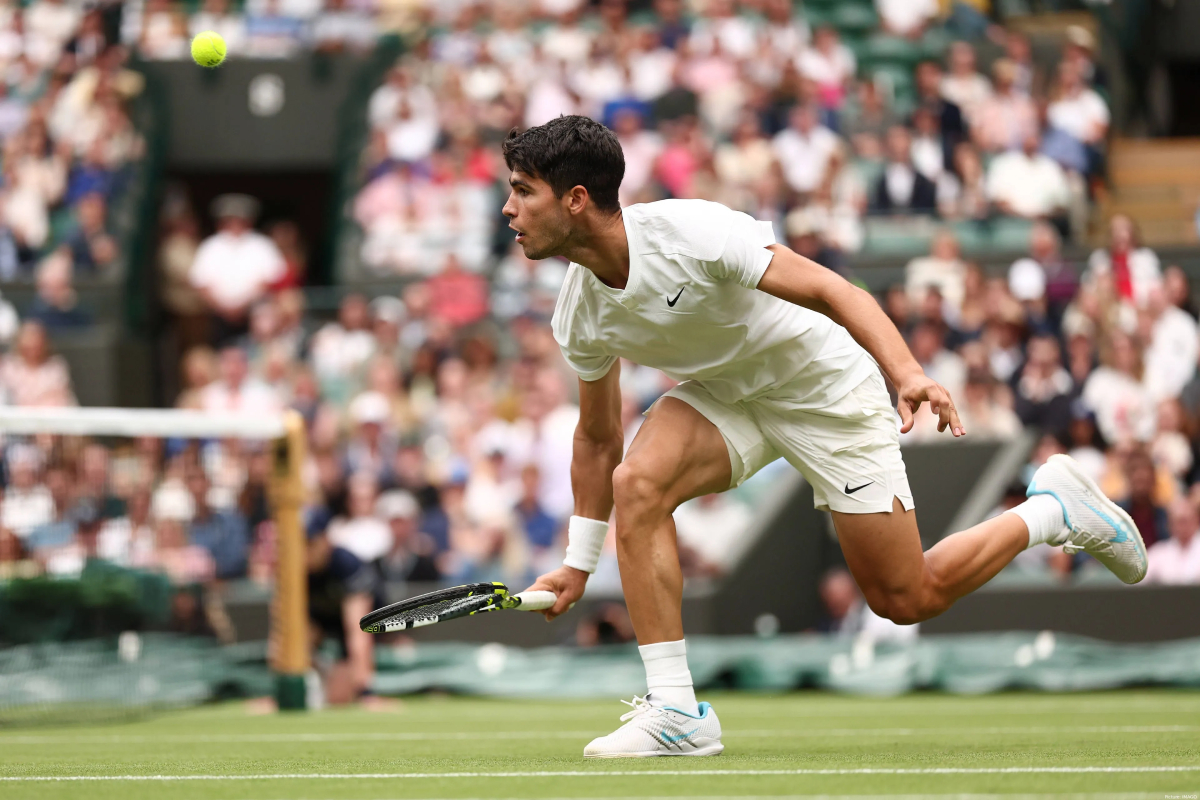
(799, 280)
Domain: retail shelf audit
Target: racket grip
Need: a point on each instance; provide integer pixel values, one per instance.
(536, 601)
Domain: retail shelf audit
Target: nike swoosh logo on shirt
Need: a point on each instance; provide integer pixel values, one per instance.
(856, 488)
(673, 739)
(671, 303)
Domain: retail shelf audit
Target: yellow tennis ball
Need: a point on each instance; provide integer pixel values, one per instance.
(208, 49)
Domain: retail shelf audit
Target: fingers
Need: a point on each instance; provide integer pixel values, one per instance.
(906, 415)
(956, 426)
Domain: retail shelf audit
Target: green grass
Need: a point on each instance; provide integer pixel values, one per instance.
(969, 739)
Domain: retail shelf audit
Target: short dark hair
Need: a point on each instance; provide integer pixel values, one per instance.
(570, 151)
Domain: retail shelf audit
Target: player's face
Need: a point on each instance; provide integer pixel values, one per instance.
(539, 218)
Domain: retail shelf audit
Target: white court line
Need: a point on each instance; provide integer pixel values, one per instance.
(290, 776)
(950, 796)
(414, 736)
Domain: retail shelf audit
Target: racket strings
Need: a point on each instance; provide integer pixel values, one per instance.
(438, 608)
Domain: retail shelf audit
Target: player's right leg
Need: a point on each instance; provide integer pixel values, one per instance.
(677, 454)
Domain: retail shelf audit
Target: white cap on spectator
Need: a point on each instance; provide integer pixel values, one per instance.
(370, 407)
(172, 502)
(397, 504)
(1027, 280)
(802, 222)
(1081, 37)
(389, 309)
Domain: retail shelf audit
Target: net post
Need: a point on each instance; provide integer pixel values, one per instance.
(290, 656)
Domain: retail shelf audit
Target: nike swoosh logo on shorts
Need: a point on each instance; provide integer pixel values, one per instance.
(671, 303)
(856, 488)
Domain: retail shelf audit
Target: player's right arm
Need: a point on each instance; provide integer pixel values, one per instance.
(598, 448)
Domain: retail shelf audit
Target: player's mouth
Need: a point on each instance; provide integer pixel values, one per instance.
(520, 233)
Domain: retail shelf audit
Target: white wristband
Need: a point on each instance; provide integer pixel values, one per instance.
(585, 540)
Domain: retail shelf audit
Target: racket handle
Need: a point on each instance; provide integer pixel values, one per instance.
(536, 601)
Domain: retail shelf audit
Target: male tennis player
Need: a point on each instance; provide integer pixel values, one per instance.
(778, 357)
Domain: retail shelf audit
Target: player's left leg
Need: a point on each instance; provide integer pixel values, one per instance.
(850, 452)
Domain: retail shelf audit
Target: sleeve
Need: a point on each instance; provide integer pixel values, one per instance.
(200, 275)
(588, 360)
(745, 257)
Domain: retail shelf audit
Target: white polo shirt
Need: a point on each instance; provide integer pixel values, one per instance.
(691, 309)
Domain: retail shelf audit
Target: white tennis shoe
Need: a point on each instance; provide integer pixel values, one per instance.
(1096, 525)
(651, 730)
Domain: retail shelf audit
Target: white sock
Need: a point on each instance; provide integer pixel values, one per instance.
(667, 676)
(1043, 517)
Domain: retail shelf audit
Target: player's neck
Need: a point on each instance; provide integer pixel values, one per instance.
(603, 247)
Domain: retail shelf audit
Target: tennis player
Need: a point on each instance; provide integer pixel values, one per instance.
(777, 357)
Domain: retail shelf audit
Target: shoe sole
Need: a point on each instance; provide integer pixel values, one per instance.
(1068, 463)
(713, 749)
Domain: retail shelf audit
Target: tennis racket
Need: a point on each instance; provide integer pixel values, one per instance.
(452, 603)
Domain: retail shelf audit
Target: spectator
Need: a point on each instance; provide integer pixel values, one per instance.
(1079, 114)
(128, 539)
(804, 150)
(362, 533)
(411, 557)
(1044, 389)
(521, 285)
(964, 86)
(371, 448)
(164, 31)
(340, 350)
(27, 502)
(962, 192)
(1115, 392)
(1007, 118)
(32, 375)
(902, 189)
(1173, 347)
(92, 245)
(457, 296)
(1025, 183)
(943, 269)
(830, 65)
(57, 304)
(338, 28)
(235, 391)
(224, 533)
(1134, 269)
(1176, 561)
(986, 407)
(949, 116)
(235, 265)
(1140, 502)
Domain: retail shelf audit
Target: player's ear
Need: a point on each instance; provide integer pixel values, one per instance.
(576, 200)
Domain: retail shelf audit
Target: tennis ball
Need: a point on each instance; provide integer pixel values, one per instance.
(208, 49)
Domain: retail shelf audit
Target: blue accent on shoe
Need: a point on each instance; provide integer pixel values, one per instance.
(703, 709)
(1122, 534)
(673, 739)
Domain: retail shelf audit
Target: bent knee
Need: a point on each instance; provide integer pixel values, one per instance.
(906, 607)
(636, 489)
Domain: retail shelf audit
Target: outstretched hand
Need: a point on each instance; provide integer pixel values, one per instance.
(566, 582)
(922, 388)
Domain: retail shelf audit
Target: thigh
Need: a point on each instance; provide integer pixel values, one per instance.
(682, 451)
(882, 550)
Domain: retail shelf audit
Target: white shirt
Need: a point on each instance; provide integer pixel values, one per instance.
(1079, 115)
(368, 538)
(690, 309)
(906, 16)
(824, 69)
(236, 269)
(1145, 272)
(967, 92)
(804, 158)
(25, 509)
(1172, 563)
(1124, 409)
(1171, 356)
(1033, 186)
(252, 397)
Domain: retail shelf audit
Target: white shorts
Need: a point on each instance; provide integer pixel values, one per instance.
(849, 451)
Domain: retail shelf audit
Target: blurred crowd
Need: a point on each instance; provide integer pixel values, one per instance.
(440, 419)
(66, 146)
(764, 105)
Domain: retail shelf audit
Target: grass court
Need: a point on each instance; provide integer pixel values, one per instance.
(1115, 744)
